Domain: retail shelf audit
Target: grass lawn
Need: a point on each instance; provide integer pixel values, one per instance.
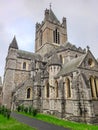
(66, 124)
(12, 124)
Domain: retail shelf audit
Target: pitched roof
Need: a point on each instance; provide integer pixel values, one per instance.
(14, 44)
(55, 60)
(71, 66)
(52, 16)
(66, 46)
(28, 55)
(91, 56)
(70, 46)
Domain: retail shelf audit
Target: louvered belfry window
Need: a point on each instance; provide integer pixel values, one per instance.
(56, 36)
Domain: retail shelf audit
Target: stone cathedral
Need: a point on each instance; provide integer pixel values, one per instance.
(59, 78)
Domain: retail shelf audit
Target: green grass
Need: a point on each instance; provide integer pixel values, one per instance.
(66, 124)
(12, 124)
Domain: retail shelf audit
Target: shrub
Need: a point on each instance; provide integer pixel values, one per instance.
(22, 108)
(30, 109)
(8, 113)
(5, 112)
(0, 109)
(18, 108)
(34, 112)
(26, 109)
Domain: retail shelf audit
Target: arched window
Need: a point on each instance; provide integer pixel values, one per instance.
(56, 36)
(47, 90)
(56, 88)
(90, 62)
(28, 93)
(93, 87)
(68, 88)
(24, 65)
(40, 92)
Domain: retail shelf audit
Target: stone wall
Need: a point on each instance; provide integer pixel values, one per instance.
(0, 96)
(45, 34)
(45, 48)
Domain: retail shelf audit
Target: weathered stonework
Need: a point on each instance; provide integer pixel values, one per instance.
(1, 91)
(58, 78)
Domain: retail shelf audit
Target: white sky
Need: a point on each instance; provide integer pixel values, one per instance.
(18, 17)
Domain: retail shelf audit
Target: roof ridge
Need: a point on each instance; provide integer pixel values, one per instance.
(25, 51)
(82, 59)
(70, 66)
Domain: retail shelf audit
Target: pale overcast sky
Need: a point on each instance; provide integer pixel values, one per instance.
(18, 17)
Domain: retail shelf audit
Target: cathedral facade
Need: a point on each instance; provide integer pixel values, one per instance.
(58, 79)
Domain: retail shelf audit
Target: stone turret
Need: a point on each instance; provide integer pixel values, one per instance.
(64, 22)
(54, 67)
(14, 44)
(46, 15)
(9, 75)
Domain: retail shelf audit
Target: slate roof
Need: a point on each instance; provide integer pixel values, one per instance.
(55, 60)
(28, 55)
(14, 44)
(64, 47)
(70, 46)
(71, 66)
(52, 16)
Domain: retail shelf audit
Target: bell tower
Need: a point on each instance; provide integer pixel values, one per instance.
(50, 33)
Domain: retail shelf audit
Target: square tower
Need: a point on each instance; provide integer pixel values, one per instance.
(50, 33)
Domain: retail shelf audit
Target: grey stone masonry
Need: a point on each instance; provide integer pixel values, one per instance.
(59, 78)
